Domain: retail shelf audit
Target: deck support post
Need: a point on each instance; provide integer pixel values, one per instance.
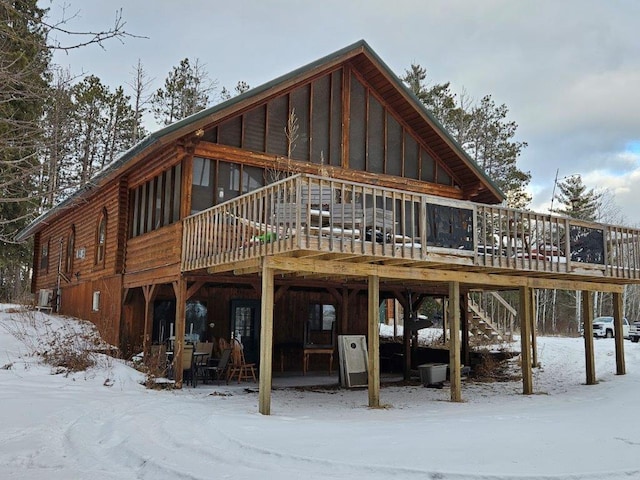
(534, 328)
(454, 341)
(465, 315)
(374, 341)
(618, 313)
(180, 290)
(149, 292)
(525, 340)
(266, 341)
(587, 321)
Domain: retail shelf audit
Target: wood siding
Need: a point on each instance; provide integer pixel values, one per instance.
(154, 257)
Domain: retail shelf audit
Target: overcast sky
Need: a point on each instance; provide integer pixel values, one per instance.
(569, 71)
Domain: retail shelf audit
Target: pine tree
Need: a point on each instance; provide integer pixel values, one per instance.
(23, 90)
(481, 129)
(576, 200)
(186, 91)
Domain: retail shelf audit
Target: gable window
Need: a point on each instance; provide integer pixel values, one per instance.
(71, 240)
(101, 238)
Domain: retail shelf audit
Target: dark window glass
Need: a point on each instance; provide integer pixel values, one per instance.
(150, 206)
(443, 176)
(300, 107)
(168, 187)
(211, 135)
(177, 191)
(320, 116)
(202, 191)
(230, 132)
(254, 129)
(394, 146)
(357, 126)
(410, 157)
(44, 256)
(71, 241)
(101, 238)
(136, 212)
(143, 209)
(228, 181)
(336, 119)
(321, 317)
(375, 136)
(252, 178)
(277, 111)
(428, 166)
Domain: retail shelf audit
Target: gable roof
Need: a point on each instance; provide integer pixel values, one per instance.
(362, 58)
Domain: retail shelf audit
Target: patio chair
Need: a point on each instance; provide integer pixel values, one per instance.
(220, 369)
(187, 365)
(239, 367)
(201, 357)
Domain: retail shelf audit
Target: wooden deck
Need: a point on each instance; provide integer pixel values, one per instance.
(301, 222)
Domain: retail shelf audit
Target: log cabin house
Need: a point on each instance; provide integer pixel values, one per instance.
(297, 207)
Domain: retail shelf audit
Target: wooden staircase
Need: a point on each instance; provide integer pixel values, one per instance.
(492, 318)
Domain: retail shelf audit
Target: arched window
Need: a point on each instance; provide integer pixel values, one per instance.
(71, 245)
(101, 238)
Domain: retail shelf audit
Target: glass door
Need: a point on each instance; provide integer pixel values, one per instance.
(245, 327)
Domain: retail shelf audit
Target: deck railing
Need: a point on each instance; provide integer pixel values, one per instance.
(307, 212)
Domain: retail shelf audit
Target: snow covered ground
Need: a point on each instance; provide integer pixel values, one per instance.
(102, 424)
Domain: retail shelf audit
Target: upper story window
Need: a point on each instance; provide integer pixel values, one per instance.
(216, 181)
(101, 238)
(44, 256)
(71, 241)
(156, 203)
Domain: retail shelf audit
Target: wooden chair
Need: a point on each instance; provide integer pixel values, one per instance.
(220, 369)
(187, 365)
(201, 357)
(239, 367)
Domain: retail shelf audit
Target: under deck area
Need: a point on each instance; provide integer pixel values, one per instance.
(323, 231)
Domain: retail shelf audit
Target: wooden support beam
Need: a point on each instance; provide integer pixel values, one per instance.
(321, 267)
(193, 289)
(280, 293)
(178, 346)
(149, 292)
(587, 320)
(335, 294)
(374, 341)
(525, 340)
(418, 301)
(454, 341)
(464, 319)
(344, 312)
(533, 317)
(266, 342)
(618, 313)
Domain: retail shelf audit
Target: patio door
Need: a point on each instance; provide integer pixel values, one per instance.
(245, 326)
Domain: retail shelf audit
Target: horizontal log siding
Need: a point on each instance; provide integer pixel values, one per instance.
(85, 218)
(154, 254)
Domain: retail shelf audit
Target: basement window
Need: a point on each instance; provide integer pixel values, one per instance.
(96, 301)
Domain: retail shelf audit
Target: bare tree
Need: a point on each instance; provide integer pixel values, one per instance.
(140, 85)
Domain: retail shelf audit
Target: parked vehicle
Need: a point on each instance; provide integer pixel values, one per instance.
(634, 332)
(604, 327)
